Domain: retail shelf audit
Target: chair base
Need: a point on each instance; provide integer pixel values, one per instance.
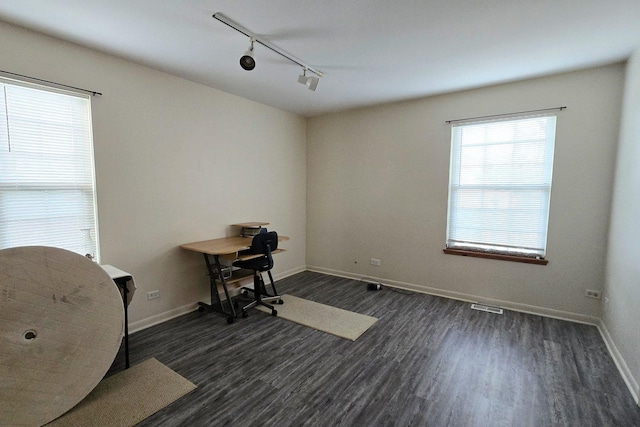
(260, 294)
(274, 312)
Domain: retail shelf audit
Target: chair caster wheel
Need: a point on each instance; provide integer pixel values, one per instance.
(229, 320)
(244, 293)
(244, 314)
(201, 309)
(274, 312)
(280, 302)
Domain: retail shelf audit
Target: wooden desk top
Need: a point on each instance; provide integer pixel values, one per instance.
(224, 245)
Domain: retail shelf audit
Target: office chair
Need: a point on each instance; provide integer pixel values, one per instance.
(262, 245)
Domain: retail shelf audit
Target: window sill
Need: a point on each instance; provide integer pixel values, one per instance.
(496, 256)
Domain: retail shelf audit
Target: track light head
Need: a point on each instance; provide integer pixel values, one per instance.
(302, 78)
(310, 81)
(246, 61)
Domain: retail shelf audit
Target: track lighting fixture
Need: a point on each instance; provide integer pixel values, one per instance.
(310, 81)
(248, 63)
(302, 78)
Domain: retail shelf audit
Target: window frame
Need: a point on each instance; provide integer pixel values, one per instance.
(85, 189)
(492, 249)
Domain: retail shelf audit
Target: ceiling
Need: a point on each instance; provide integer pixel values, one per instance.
(370, 51)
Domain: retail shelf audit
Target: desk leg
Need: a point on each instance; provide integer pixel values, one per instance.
(224, 286)
(215, 270)
(126, 326)
(122, 283)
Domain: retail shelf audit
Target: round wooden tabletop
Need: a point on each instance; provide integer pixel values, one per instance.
(61, 324)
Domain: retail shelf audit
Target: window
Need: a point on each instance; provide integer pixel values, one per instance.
(500, 186)
(47, 184)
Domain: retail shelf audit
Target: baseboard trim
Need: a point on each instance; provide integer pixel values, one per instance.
(161, 317)
(524, 308)
(624, 370)
(288, 273)
(179, 311)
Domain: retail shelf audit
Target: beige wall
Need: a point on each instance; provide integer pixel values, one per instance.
(377, 188)
(176, 162)
(621, 316)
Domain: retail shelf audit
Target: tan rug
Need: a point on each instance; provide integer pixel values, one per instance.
(325, 318)
(128, 397)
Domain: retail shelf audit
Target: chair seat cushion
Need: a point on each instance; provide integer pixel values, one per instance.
(260, 263)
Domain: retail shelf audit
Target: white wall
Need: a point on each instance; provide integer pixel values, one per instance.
(377, 188)
(621, 315)
(176, 162)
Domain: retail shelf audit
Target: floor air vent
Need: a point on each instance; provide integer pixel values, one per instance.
(487, 308)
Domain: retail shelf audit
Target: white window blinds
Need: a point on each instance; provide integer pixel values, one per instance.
(47, 185)
(500, 185)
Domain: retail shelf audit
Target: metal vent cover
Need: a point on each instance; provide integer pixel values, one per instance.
(487, 308)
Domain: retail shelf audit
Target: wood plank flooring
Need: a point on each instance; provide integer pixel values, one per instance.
(428, 361)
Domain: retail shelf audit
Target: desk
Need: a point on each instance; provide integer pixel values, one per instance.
(125, 282)
(230, 249)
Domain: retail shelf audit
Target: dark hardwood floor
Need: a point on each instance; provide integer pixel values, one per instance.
(428, 361)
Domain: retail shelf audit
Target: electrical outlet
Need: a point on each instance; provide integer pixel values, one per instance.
(375, 261)
(592, 294)
(153, 295)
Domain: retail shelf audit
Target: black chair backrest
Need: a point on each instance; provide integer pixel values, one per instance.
(261, 241)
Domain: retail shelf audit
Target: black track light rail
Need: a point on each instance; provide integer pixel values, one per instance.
(239, 28)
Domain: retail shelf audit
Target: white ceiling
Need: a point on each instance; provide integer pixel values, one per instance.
(371, 51)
